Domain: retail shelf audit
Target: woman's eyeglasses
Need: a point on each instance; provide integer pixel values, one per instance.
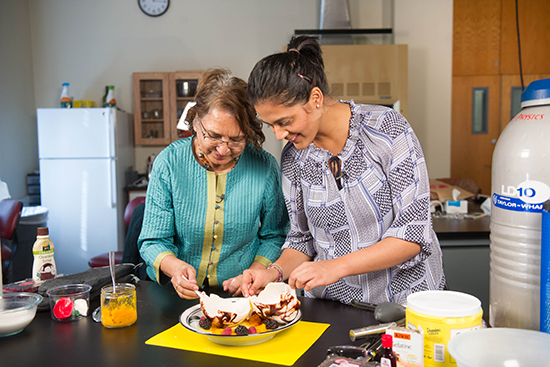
(214, 143)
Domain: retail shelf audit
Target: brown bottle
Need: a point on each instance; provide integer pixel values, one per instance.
(43, 267)
(387, 357)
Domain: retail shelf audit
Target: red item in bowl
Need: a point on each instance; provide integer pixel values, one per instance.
(63, 308)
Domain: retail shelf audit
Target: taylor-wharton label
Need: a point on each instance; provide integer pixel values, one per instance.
(515, 204)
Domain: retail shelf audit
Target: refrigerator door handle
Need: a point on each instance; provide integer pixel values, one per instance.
(112, 182)
(112, 130)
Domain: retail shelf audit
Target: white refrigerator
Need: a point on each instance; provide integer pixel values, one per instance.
(83, 155)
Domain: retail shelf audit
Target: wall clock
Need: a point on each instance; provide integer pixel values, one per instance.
(154, 8)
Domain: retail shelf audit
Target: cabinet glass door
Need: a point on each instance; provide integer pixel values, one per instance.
(151, 112)
(185, 87)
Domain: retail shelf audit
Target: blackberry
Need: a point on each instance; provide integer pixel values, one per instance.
(205, 323)
(241, 330)
(271, 324)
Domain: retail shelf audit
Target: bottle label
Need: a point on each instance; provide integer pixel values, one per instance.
(528, 196)
(44, 267)
(68, 104)
(385, 362)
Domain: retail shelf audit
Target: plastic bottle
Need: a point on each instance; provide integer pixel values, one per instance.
(520, 186)
(387, 357)
(66, 100)
(43, 267)
(110, 100)
(105, 96)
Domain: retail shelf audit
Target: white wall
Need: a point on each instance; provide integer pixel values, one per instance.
(18, 139)
(93, 44)
(427, 27)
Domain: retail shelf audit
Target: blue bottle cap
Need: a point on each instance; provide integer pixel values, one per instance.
(536, 94)
(65, 84)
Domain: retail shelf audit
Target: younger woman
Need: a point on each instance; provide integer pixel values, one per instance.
(355, 184)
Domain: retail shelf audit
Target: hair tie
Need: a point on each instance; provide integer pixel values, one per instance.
(293, 49)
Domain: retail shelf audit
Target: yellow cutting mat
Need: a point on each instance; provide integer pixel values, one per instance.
(285, 348)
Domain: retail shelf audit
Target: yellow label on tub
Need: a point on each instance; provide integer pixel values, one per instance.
(437, 333)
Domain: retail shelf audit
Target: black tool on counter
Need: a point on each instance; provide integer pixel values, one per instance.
(366, 352)
(348, 351)
(363, 305)
(383, 312)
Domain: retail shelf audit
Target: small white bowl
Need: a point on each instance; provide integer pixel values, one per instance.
(17, 310)
(500, 347)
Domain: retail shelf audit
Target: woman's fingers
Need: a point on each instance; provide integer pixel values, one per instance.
(234, 286)
(183, 290)
(184, 282)
(310, 275)
(251, 282)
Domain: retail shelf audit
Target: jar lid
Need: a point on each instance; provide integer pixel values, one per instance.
(387, 341)
(444, 303)
(537, 93)
(42, 231)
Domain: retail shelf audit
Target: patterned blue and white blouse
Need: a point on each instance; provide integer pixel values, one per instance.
(385, 193)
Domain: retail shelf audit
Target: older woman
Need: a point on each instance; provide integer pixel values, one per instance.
(214, 203)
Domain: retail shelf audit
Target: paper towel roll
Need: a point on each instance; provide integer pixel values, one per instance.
(545, 269)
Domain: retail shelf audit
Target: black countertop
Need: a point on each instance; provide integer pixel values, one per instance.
(86, 343)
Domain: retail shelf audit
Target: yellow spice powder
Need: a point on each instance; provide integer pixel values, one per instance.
(119, 315)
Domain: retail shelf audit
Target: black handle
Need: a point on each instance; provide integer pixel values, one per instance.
(348, 351)
(363, 305)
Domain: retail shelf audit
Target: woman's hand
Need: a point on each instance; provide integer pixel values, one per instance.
(385, 254)
(185, 289)
(177, 269)
(257, 277)
(254, 280)
(233, 286)
(311, 274)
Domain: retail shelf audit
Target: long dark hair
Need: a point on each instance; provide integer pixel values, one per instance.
(218, 89)
(288, 77)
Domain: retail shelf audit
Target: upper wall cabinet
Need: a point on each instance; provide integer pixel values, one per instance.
(534, 31)
(382, 80)
(485, 37)
(476, 37)
(159, 101)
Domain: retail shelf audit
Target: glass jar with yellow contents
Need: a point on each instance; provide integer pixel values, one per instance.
(118, 305)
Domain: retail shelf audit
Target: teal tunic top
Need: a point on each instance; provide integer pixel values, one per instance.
(219, 224)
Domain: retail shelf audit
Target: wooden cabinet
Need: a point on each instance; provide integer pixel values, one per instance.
(534, 33)
(486, 64)
(485, 38)
(476, 37)
(159, 101)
